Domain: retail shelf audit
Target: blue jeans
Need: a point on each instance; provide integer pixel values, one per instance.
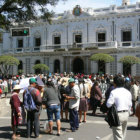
(53, 109)
(74, 121)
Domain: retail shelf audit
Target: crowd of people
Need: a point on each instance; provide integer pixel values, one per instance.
(71, 95)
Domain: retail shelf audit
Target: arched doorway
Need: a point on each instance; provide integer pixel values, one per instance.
(101, 67)
(20, 67)
(126, 69)
(78, 65)
(56, 66)
(37, 71)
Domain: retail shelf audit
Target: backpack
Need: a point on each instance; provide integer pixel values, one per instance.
(29, 103)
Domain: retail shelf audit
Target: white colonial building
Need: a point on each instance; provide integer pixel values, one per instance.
(68, 42)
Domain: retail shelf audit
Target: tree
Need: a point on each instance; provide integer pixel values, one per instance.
(128, 61)
(41, 67)
(101, 58)
(6, 62)
(25, 10)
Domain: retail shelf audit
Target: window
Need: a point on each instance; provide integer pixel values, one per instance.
(78, 38)
(20, 43)
(1, 38)
(37, 41)
(101, 37)
(57, 40)
(126, 37)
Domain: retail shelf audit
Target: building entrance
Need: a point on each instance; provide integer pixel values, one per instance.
(78, 65)
(56, 66)
(101, 67)
(126, 69)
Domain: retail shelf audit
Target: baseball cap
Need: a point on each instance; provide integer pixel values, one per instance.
(71, 80)
(32, 80)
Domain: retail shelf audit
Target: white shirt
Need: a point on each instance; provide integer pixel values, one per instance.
(5, 84)
(74, 103)
(134, 91)
(122, 99)
(82, 90)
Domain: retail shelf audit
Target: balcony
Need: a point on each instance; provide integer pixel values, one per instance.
(18, 50)
(74, 47)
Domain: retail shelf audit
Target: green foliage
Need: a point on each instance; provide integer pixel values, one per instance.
(41, 67)
(91, 48)
(102, 57)
(130, 60)
(25, 10)
(6, 62)
(75, 49)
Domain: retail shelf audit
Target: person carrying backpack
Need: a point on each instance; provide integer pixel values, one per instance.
(32, 102)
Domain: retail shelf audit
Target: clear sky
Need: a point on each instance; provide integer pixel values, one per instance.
(70, 4)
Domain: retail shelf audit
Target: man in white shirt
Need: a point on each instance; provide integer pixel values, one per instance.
(122, 98)
(74, 100)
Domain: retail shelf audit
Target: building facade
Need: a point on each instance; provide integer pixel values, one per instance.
(74, 36)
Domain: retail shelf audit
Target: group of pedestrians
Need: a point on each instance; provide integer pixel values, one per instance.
(75, 95)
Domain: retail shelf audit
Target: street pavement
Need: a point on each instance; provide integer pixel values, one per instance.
(95, 127)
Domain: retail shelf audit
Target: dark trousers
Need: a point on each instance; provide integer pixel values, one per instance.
(74, 122)
(33, 122)
(134, 106)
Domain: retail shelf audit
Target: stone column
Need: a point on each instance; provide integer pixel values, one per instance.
(70, 64)
(87, 65)
(107, 68)
(94, 67)
(61, 65)
(133, 70)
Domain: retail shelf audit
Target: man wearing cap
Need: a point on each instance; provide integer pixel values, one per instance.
(33, 116)
(74, 100)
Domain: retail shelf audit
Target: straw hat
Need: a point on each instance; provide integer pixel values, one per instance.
(17, 87)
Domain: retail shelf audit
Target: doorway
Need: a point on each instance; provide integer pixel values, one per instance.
(78, 66)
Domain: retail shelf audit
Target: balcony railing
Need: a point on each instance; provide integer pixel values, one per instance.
(81, 46)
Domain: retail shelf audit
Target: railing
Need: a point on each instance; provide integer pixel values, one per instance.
(18, 50)
(126, 44)
(79, 46)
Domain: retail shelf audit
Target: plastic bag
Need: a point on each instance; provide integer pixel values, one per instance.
(46, 127)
